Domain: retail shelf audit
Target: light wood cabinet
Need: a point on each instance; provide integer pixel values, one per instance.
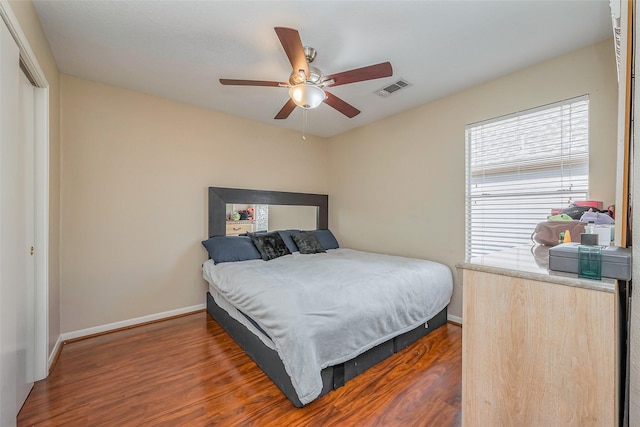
(537, 353)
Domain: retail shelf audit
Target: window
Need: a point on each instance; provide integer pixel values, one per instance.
(519, 167)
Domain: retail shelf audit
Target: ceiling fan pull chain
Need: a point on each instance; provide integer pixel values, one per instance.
(304, 124)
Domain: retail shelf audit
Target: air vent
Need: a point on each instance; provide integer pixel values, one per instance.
(392, 88)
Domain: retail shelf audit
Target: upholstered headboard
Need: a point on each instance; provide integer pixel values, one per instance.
(219, 197)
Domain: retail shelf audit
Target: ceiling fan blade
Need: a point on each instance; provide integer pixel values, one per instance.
(292, 45)
(252, 83)
(337, 103)
(286, 110)
(371, 72)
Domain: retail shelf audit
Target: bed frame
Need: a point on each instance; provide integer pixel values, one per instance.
(267, 359)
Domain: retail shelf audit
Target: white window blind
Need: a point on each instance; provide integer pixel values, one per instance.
(519, 167)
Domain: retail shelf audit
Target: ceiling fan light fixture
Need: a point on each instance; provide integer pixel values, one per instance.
(307, 96)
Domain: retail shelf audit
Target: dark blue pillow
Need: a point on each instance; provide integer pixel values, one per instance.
(327, 239)
(231, 249)
(288, 241)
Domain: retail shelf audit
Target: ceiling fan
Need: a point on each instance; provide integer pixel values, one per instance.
(307, 84)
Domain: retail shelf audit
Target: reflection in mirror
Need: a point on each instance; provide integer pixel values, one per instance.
(292, 217)
(244, 218)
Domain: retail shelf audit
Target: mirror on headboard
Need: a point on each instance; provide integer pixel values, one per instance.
(220, 197)
(248, 217)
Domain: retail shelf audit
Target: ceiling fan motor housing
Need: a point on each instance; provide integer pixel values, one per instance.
(315, 75)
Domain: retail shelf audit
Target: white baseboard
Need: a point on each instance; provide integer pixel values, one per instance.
(144, 319)
(53, 354)
(127, 323)
(454, 319)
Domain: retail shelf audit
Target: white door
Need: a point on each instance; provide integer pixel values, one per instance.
(26, 292)
(16, 234)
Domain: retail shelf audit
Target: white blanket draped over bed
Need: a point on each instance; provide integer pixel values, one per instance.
(324, 309)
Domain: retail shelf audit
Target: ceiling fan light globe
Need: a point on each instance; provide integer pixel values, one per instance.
(307, 96)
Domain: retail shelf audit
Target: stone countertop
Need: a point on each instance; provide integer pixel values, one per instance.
(532, 263)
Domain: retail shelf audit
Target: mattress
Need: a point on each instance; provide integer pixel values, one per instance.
(324, 309)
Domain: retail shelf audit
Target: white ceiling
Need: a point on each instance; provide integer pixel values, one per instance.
(179, 49)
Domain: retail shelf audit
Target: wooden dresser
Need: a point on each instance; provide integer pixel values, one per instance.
(235, 228)
(539, 348)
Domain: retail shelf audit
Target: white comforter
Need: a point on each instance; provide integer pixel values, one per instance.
(325, 309)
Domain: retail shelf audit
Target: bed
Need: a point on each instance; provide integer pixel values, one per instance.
(312, 321)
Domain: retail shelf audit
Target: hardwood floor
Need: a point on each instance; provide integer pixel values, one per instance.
(188, 372)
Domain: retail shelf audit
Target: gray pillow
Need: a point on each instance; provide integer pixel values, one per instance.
(230, 249)
(270, 245)
(327, 239)
(308, 243)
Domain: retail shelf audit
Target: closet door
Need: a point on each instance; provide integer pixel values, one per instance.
(17, 338)
(25, 293)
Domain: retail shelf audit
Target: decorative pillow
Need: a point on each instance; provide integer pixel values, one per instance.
(270, 245)
(286, 237)
(327, 239)
(230, 249)
(307, 242)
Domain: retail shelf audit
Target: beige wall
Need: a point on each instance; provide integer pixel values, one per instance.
(135, 172)
(30, 25)
(397, 185)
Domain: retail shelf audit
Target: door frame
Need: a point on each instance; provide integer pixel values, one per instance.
(41, 187)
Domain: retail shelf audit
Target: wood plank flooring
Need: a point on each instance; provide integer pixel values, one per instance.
(188, 372)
